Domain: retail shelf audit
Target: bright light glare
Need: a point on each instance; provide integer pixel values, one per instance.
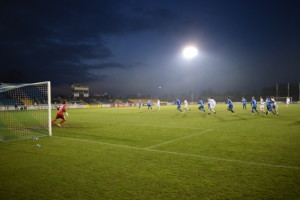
(190, 52)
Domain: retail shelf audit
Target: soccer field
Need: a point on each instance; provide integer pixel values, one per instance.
(127, 153)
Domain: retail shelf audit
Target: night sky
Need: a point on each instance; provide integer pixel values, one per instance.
(129, 47)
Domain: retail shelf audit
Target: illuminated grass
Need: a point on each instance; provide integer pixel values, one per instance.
(126, 153)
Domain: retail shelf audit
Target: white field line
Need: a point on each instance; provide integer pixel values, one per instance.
(185, 154)
(181, 138)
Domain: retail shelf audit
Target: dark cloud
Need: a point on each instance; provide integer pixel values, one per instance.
(63, 40)
(133, 42)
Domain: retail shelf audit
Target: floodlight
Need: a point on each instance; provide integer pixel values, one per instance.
(190, 52)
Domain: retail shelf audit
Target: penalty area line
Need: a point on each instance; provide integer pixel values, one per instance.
(177, 139)
(184, 154)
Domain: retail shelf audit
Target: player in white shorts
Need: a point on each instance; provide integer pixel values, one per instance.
(186, 105)
(211, 105)
(275, 106)
(262, 105)
(288, 101)
(158, 104)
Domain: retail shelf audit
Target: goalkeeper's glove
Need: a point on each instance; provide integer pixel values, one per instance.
(67, 114)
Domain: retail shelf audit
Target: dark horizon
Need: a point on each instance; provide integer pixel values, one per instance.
(132, 47)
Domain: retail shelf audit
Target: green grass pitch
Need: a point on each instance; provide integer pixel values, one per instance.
(127, 153)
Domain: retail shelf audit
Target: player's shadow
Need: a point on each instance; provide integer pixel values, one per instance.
(234, 118)
(218, 117)
(184, 115)
(295, 123)
(240, 118)
(204, 115)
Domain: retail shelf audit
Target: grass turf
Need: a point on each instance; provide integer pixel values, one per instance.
(127, 153)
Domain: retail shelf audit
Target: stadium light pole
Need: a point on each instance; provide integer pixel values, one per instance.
(288, 89)
(277, 91)
(189, 53)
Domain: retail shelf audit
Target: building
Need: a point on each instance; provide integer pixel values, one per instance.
(80, 90)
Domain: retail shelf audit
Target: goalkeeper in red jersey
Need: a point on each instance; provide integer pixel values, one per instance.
(60, 114)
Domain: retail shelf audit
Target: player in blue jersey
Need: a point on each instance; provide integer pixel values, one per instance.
(230, 105)
(254, 106)
(269, 106)
(178, 105)
(149, 105)
(244, 102)
(201, 105)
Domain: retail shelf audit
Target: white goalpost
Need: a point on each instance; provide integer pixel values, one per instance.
(25, 110)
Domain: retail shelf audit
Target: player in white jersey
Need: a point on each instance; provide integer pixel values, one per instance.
(262, 105)
(211, 104)
(186, 105)
(288, 101)
(158, 104)
(275, 106)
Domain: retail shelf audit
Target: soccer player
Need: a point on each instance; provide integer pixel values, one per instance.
(178, 105)
(230, 105)
(262, 105)
(275, 106)
(254, 105)
(201, 107)
(214, 103)
(60, 114)
(288, 101)
(269, 106)
(244, 102)
(158, 104)
(211, 103)
(186, 105)
(140, 104)
(149, 105)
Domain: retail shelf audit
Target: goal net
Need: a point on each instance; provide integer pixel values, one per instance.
(283, 99)
(25, 111)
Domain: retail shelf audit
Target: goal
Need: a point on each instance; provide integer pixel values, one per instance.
(25, 111)
(283, 99)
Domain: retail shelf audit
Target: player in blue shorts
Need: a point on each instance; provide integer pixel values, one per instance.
(254, 106)
(178, 105)
(201, 105)
(244, 102)
(269, 106)
(149, 105)
(230, 105)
